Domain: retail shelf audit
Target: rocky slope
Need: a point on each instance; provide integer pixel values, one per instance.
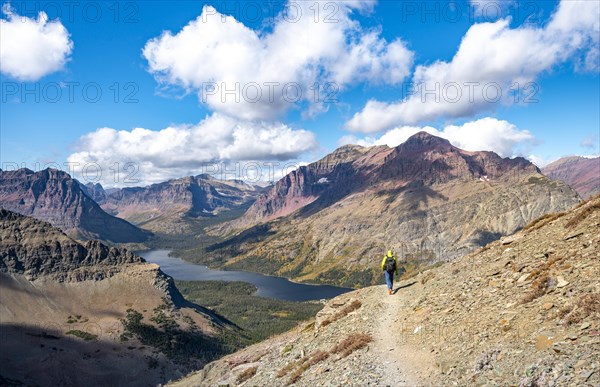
(582, 174)
(165, 207)
(34, 249)
(94, 191)
(331, 220)
(523, 311)
(72, 314)
(55, 197)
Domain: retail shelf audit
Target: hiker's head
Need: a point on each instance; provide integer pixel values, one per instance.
(390, 253)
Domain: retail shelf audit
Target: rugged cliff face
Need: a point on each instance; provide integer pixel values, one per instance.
(165, 207)
(95, 191)
(422, 160)
(582, 174)
(77, 313)
(426, 199)
(55, 197)
(33, 248)
(522, 311)
(330, 177)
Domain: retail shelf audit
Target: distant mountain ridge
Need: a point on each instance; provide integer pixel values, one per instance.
(581, 173)
(166, 206)
(352, 168)
(54, 196)
(329, 221)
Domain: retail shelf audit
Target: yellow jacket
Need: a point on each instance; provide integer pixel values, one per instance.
(385, 257)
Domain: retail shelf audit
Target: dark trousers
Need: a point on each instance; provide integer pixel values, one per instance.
(389, 279)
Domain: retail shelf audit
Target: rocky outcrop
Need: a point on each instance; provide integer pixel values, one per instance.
(94, 191)
(34, 248)
(330, 221)
(55, 197)
(582, 174)
(103, 311)
(523, 311)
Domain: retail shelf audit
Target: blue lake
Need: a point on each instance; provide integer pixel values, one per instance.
(268, 286)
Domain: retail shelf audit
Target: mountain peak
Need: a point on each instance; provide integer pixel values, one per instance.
(348, 147)
(423, 140)
(52, 195)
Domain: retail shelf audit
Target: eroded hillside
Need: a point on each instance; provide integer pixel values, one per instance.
(523, 311)
(428, 200)
(53, 196)
(71, 313)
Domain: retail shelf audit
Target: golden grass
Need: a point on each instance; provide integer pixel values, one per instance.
(542, 221)
(582, 214)
(297, 374)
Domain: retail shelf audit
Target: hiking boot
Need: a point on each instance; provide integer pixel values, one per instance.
(390, 292)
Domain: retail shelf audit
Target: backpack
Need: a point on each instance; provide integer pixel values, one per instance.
(390, 264)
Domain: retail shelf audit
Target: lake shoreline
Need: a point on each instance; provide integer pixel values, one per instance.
(268, 286)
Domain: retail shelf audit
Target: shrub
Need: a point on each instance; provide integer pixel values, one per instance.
(588, 304)
(539, 288)
(82, 335)
(178, 345)
(296, 375)
(342, 313)
(246, 374)
(345, 347)
(352, 343)
(290, 366)
(317, 357)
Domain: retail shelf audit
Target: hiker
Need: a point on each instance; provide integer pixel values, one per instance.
(390, 267)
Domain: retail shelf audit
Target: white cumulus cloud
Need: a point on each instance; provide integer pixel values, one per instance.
(495, 64)
(32, 48)
(178, 151)
(486, 134)
(590, 142)
(310, 52)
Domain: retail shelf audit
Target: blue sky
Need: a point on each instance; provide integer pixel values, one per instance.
(370, 50)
